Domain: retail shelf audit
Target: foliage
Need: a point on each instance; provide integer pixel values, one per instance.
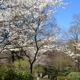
(2, 73)
(38, 69)
(63, 73)
(53, 76)
(70, 76)
(20, 64)
(51, 71)
(17, 65)
(43, 79)
(14, 75)
(74, 75)
(6, 66)
(63, 78)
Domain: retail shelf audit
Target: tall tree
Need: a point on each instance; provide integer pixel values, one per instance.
(25, 25)
(74, 31)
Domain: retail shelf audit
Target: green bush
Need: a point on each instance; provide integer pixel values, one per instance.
(53, 76)
(51, 72)
(20, 64)
(70, 76)
(2, 72)
(63, 73)
(63, 78)
(10, 75)
(14, 75)
(74, 75)
(27, 76)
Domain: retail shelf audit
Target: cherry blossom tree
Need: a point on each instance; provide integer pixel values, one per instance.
(27, 25)
(74, 39)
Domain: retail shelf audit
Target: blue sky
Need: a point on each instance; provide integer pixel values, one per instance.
(64, 16)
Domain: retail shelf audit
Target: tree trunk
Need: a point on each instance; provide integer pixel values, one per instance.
(12, 56)
(31, 68)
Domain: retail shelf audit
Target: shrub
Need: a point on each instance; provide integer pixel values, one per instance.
(27, 76)
(2, 74)
(74, 75)
(14, 75)
(50, 70)
(63, 78)
(71, 76)
(63, 73)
